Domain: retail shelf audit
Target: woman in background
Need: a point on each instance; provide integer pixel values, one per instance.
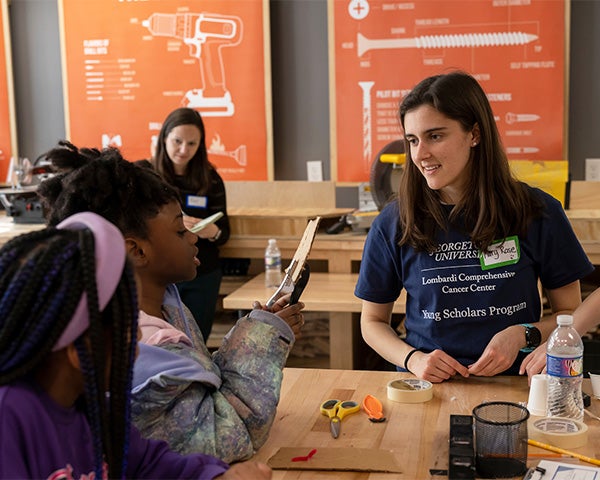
(182, 160)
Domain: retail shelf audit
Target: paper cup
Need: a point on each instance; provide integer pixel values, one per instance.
(536, 404)
(595, 379)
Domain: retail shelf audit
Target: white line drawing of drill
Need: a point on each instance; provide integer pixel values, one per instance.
(366, 121)
(364, 44)
(521, 117)
(206, 34)
(218, 148)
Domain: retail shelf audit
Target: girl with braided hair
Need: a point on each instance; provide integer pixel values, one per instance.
(68, 341)
(221, 404)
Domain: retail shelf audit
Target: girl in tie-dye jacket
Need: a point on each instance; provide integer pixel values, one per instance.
(222, 403)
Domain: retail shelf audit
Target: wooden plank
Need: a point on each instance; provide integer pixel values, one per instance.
(584, 195)
(281, 208)
(278, 222)
(280, 195)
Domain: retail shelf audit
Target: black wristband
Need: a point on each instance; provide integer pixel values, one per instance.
(407, 358)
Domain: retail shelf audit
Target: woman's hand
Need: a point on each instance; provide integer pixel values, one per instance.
(290, 314)
(436, 366)
(247, 471)
(534, 363)
(500, 353)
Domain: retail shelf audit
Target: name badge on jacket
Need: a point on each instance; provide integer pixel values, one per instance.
(196, 201)
(501, 253)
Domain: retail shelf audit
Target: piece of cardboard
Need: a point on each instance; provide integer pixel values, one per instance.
(333, 458)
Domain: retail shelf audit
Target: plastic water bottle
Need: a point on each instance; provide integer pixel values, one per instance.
(564, 365)
(272, 264)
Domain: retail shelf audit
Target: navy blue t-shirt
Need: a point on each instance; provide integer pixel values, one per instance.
(457, 301)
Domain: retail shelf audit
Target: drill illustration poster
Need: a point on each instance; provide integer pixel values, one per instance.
(8, 139)
(128, 64)
(383, 48)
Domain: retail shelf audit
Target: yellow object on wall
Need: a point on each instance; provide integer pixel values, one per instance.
(550, 176)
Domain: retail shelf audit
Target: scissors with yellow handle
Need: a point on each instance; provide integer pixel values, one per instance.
(336, 410)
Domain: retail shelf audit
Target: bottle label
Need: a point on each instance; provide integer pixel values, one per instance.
(564, 366)
(272, 262)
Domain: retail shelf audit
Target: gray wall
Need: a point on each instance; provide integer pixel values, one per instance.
(300, 84)
(584, 91)
(37, 71)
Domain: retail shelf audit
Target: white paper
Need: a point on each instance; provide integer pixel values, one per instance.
(567, 471)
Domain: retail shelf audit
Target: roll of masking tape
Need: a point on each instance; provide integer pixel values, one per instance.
(410, 390)
(560, 432)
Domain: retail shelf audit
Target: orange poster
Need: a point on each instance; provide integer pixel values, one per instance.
(8, 136)
(127, 64)
(380, 49)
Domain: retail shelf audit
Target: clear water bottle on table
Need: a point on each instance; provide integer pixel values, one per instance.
(272, 264)
(564, 365)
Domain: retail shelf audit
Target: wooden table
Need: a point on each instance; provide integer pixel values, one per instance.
(326, 292)
(416, 433)
(10, 229)
(339, 250)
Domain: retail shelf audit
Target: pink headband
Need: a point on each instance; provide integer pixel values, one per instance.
(110, 260)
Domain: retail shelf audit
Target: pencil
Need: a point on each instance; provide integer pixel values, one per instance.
(552, 448)
(546, 455)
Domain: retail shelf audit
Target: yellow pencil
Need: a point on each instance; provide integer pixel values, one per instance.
(552, 448)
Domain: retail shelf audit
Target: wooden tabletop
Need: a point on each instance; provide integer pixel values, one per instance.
(417, 434)
(10, 229)
(325, 292)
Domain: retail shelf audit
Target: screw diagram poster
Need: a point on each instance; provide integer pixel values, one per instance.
(127, 64)
(8, 135)
(380, 49)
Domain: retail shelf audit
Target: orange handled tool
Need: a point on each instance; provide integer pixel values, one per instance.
(374, 408)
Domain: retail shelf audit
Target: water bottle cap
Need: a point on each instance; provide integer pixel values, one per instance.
(564, 319)
(272, 241)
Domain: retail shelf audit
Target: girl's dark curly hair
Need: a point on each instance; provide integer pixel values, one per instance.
(103, 182)
(43, 275)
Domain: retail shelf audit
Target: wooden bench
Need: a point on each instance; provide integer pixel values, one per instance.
(332, 293)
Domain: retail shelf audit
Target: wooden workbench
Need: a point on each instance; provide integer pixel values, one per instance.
(417, 434)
